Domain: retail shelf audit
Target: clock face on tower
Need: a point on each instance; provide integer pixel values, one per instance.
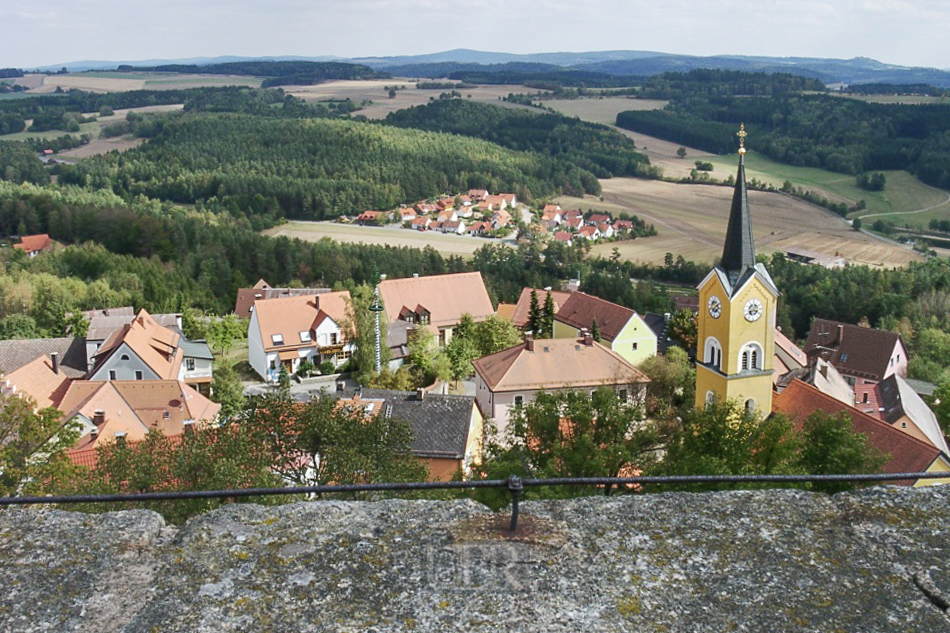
(753, 310)
(715, 307)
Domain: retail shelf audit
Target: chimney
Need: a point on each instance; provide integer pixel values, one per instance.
(415, 275)
(529, 342)
(420, 394)
(94, 432)
(840, 332)
(98, 417)
(666, 317)
(55, 358)
(588, 339)
(382, 277)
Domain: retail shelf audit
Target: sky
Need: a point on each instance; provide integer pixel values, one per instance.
(903, 32)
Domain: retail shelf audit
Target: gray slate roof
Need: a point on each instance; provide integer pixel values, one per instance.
(440, 423)
(196, 349)
(71, 350)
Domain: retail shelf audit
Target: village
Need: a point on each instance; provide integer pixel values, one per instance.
(479, 213)
(133, 374)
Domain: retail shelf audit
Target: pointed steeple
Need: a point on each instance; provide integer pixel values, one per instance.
(738, 254)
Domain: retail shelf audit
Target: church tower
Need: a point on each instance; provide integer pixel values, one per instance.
(736, 322)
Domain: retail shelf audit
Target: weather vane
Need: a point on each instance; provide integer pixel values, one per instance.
(742, 134)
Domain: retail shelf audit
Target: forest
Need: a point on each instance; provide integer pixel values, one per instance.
(844, 135)
(277, 73)
(593, 147)
(313, 168)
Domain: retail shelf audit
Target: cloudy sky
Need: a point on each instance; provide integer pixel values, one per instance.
(36, 33)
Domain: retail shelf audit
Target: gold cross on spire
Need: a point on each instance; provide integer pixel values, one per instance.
(742, 134)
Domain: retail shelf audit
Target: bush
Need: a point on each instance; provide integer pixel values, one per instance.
(327, 367)
(306, 368)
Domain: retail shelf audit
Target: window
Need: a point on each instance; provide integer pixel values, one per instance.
(124, 357)
(750, 406)
(138, 374)
(519, 400)
(305, 337)
(635, 346)
(622, 394)
(190, 364)
(166, 415)
(844, 357)
(273, 364)
(277, 339)
(750, 357)
(713, 353)
(865, 397)
(710, 398)
(111, 374)
(334, 338)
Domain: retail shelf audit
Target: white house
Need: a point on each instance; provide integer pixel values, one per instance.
(291, 330)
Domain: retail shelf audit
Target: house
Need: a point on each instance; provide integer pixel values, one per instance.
(621, 329)
(500, 219)
(438, 301)
(262, 290)
(421, 223)
(523, 307)
(33, 245)
(573, 214)
(605, 230)
(906, 453)
(596, 219)
(510, 199)
(425, 208)
(290, 330)
(104, 323)
(551, 208)
(407, 214)
(894, 401)
(477, 195)
(787, 356)
(479, 228)
(397, 340)
(372, 218)
(514, 376)
(448, 216)
(453, 226)
(446, 429)
(622, 225)
(589, 232)
(862, 355)
(573, 223)
(807, 256)
(445, 204)
(42, 379)
(493, 203)
(563, 236)
(110, 411)
(146, 350)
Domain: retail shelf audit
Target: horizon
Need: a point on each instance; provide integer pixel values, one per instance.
(896, 32)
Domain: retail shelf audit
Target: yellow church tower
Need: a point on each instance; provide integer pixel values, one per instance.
(736, 322)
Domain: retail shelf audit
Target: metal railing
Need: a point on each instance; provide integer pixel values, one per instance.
(515, 486)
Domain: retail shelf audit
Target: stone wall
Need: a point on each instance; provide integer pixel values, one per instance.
(770, 561)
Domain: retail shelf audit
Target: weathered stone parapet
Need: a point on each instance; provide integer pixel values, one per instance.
(784, 560)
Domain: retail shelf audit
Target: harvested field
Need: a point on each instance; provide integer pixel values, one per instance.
(691, 221)
(375, 90)
(462, 245)
(123, 82)
(602, 109)
(119, 143)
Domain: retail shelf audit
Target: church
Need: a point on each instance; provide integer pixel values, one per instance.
(737, 348)
(736, 322)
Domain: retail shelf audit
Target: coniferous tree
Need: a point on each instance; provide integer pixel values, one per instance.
(547, 317)
(534, 315)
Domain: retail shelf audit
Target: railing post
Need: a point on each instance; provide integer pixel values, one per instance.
(515, 488)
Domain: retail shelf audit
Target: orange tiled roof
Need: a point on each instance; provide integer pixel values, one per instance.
(31, 243)
(288, 316)
(907, 454)
(556, 364)
(155, 344)
(446, 297)
(580, 310)
(38, 380)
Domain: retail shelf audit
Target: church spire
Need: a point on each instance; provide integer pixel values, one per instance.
(738, 254)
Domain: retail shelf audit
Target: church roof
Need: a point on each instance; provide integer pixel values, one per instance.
(738, 254)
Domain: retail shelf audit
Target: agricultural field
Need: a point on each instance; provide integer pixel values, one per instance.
(461, 245)
(407, 95)
(691, 221)
(905, 200)
(601, 109)
(901, 99)
(123, 82)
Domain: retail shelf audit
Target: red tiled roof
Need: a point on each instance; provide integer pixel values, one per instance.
(31, 243)
(906, 453)
(445, 297)
(581, 309)
(523, 307)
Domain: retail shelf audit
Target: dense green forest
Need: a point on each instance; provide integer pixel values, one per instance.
(514, 73)
(316, 168)
(277, 72)
(844, 135)
(710, 82)
(593, 147)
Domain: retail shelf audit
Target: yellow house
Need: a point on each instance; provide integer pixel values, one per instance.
(736, 322)
(621, 329)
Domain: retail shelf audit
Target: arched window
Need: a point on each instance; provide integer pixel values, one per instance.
(710, 398)
(750, 406)
(713, 353)
(750, 357)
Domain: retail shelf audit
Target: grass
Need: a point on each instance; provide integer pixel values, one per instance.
(904, 192)
(601, 109)
(84, 128)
